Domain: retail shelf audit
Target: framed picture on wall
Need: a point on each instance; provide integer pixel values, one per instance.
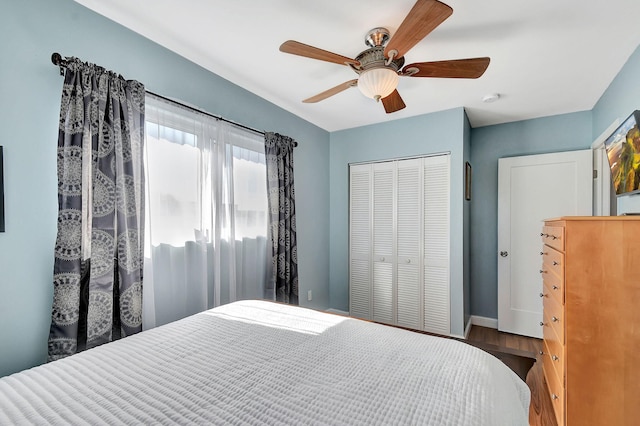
(1, 192)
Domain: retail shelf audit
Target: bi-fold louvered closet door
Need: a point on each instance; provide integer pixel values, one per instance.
(399, 242)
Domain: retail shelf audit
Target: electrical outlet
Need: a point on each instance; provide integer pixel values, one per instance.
(309, 295)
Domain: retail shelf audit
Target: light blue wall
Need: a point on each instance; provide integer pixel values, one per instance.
(425, 134)
(30, 86)
(550, 134)
(620, 99)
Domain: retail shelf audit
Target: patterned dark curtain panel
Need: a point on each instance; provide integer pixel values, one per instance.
(282, 211)
(97, 281)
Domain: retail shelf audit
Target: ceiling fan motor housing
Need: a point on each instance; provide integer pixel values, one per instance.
(374, 58)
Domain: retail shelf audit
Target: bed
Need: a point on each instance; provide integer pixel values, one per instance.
(258, 362)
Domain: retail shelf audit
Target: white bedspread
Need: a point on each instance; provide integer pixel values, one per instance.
(254, 363)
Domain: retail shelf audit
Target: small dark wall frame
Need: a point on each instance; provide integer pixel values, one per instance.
(1, 192)
(467, 181)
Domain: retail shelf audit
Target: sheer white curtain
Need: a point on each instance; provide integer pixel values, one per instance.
(206, 214)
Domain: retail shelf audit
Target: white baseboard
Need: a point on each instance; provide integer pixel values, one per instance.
(484, 321)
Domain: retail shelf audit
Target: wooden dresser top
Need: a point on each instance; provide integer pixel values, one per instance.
(602, 218)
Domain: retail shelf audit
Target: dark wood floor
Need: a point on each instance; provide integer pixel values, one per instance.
(540, 410)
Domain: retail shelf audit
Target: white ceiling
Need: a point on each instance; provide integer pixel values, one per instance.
(547, 56)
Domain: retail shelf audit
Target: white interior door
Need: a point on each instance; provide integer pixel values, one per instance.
(360, 202)
(399, 242)
(530, 189)
(437, 243)
(384, 186)
(408, 241)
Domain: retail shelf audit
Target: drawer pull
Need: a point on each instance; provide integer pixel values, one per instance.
(554, 357)
(555, 287)
(554, 396)
(541, 352)
(554, 237)
(554, 319)
(555, 263)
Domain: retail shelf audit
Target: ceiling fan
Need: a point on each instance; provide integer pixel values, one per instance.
(379, 66)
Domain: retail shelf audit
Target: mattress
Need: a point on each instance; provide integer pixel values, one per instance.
(263, 363)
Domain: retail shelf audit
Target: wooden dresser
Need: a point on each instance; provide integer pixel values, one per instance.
(591, 321)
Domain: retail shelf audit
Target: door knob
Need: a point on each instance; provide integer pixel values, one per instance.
(504, 253)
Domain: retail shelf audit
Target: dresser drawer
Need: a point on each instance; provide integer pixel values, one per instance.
(555, 387)
(553, 236)
(554, 354)
(553, 318)
(553, 285)
(553, 261)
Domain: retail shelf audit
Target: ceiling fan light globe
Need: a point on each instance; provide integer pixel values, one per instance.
(378, 83)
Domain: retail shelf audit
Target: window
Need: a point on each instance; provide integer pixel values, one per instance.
(206, 212)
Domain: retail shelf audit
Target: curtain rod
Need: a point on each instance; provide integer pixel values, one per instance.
(205, 112)
(59, 61)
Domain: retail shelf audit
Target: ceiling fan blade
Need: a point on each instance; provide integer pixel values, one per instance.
(301, 49)
(457, 68)
(334, 90)
(423, 18)
(393, 102)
